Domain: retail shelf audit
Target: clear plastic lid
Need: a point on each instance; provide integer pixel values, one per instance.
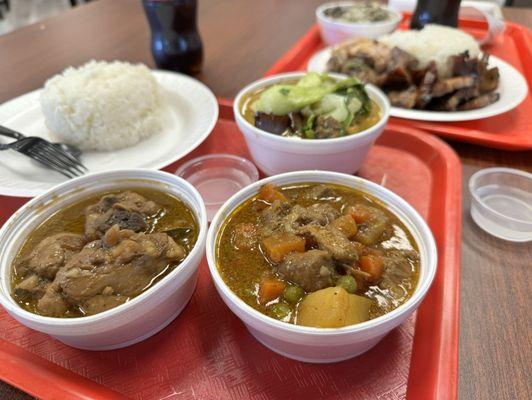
(217, 177)
(502, 203)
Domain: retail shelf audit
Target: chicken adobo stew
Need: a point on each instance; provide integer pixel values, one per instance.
(102, 251)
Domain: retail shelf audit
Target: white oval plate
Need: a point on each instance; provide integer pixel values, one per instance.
(193, 112)
(512, 90)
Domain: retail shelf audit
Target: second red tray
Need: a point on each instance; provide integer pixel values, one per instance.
(207, 353)
(510, 131)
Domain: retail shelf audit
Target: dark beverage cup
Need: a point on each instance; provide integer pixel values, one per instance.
(442, 12)
(175, 40)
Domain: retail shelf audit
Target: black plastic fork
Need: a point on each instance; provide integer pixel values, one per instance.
(47, 154)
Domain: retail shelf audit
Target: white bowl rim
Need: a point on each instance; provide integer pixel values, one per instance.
(320, 15)
(372, 89)
(8, 302)
(419, 292)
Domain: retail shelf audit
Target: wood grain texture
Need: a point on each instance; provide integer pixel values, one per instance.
(242, 39)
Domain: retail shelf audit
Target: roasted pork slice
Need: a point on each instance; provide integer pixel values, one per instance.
(451, 101)
(446, 86)
(479, 102)
(405, 98)
(463, 65)
(363, 58)
(426, 79)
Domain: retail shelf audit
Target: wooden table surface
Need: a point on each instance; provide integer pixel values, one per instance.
(242, 39)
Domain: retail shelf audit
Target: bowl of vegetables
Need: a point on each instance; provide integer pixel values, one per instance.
(298, 121)
(319, 265)
(342, 20)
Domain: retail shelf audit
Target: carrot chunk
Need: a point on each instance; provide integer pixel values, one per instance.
(373, 265)
(278, 246)
(270, 193)
(359, 213)
(270, 288)
(347, 225)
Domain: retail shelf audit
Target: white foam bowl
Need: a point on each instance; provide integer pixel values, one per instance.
(128, 323)
(324, 345)
(275, 154)
(334, 31)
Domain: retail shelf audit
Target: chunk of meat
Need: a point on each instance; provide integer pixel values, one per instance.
(328, 127)
(315, 214)
(450, 85)
(401, 58)
(333, 241)
(33, 286)
(322, 192)
(462, 64)
(52, 303)
(312, 270)
(398, 266)
(372, 230)
(405, 98)
(363, 58)
(49, 255)
(122, 264)
(127, 209)
(103, 302)
(479, 102)
(426, 78)
(272, 218)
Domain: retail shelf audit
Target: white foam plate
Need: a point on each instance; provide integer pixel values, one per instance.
(193, 112)
(512, 90)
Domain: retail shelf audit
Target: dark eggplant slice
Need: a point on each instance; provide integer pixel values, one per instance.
(277, 124)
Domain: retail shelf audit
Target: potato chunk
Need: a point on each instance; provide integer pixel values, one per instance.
(333, 307)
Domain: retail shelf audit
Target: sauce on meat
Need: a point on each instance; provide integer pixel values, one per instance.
(137, 255)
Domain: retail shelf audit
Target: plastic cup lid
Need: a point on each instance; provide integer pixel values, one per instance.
(217, 177)
(502, 203)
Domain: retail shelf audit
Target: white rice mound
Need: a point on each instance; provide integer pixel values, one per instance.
(433, 43)
(103, 106)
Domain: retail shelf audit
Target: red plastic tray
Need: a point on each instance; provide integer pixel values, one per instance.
(509, 131)
(207, 353)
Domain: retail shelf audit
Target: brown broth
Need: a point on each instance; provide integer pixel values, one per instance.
(242, 270)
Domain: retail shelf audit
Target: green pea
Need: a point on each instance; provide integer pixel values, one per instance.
(280, 310)
(293, 294)
(348, 283)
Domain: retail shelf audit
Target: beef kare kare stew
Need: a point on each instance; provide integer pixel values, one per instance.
(317, 255)
(101, 252)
